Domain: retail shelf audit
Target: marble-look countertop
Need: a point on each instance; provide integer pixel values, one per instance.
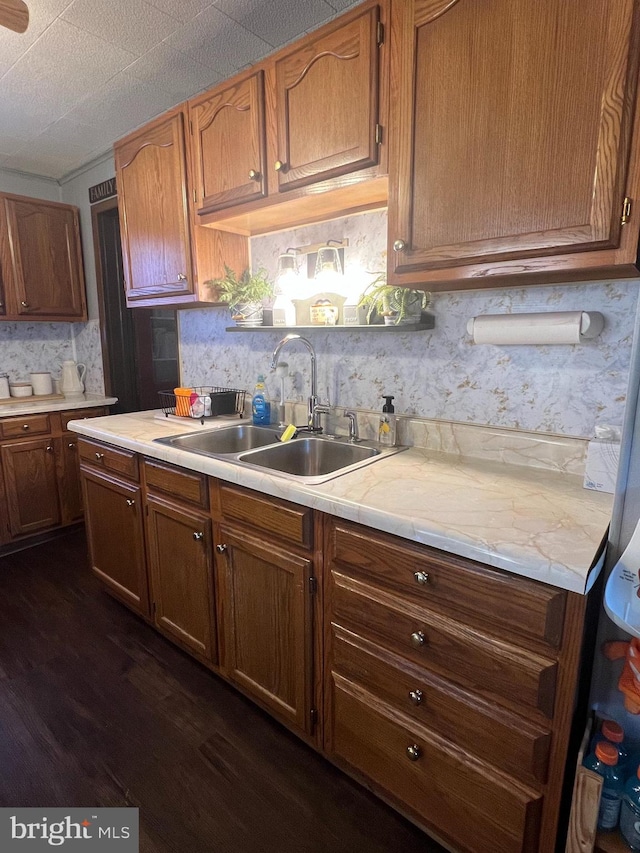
(533, 522)
(32, 405)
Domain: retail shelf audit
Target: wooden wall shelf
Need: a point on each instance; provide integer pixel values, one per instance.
(413, 327)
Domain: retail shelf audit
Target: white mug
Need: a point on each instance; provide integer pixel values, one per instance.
(41, 383)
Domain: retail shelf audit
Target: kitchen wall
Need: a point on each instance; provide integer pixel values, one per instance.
(435, 374)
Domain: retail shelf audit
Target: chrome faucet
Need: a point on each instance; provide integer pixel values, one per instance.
(314, 409)
(353, 425)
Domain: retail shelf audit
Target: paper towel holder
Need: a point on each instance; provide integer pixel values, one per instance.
(549, 327)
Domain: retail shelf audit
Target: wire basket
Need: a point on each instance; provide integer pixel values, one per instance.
(206, 401)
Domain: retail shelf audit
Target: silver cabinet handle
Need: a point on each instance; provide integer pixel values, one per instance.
(399, 245)
(181, 276)
(418, 639)
(49, 448)
(414, 752)
(221, 549)
(25, 427)
(72, 445)
(198, 536)
(421, 577)
(24, 304)
(130, 502)
(416, 696)
(99, 456)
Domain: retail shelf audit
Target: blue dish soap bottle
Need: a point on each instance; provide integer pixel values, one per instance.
(260, 405)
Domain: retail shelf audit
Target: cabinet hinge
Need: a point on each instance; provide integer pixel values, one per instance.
(378, 134)
(195, 197)
(313, 716)
(313, 586)
(626, 211)
(380, 32)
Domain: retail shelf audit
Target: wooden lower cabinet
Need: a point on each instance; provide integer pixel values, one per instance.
(31, 484)
(268, 627)
(181, 575)
(115, 532)
(68, 472)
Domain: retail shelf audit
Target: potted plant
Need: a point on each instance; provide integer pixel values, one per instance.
(398, 306)
(244, 294)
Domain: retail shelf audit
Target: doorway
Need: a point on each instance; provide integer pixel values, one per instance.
(139, 346)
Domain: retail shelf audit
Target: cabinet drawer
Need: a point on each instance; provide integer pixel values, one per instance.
(176, 482)
(487, 666)
(487, 597)
(493, 734)
(468, 803)
(288, 521)
(108, 458)
(25, 425)
(80, 415)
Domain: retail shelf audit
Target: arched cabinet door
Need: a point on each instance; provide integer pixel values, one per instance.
(510, 137)
(154, 211)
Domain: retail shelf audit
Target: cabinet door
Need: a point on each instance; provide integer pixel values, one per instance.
(70, 490)
(116, 538)
(229, 145)
(180, 566)
(510, 131)
(154, 212)
(31, 485)
(327, 104)
(267, 624)
(44, 260)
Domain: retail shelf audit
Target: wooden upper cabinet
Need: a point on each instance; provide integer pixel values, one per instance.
(154, 210)
(511, 126)
(327, 103)
(228, 133)
(41, 260)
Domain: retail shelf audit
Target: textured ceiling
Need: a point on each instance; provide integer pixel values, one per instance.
(86, 72)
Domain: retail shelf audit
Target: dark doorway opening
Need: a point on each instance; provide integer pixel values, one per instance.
(139, 345)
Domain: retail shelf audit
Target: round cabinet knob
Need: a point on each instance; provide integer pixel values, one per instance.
(49, 448)
(24, 304)
(278, 165)
(130, 502)
(99, 456)
(416, 696)
(418, 639)
(413, 752)
(253, 175)
(221, 549)
(198, 536)
(181, 276)
(421, 577)
(72, 445)
(399, 245)
(25, 427)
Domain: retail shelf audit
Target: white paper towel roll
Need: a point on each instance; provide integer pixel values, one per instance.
(558, 327)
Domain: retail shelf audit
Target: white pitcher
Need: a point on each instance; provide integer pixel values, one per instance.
(72, 380)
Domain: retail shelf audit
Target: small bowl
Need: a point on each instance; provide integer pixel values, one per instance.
(20, 389)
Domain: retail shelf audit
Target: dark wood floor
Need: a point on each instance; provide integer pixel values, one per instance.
(97, 709)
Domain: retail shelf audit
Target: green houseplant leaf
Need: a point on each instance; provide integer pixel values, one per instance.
(389, 301)
(239, 290)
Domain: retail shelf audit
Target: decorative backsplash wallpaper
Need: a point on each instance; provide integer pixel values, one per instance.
(440, 373)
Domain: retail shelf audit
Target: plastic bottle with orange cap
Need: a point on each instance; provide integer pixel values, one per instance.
(604, 761)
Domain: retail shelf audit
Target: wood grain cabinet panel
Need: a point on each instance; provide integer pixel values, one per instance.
(41, 258)
(115, 531)
(68, 473)
(511, 127)
(327, 103)
(278, 518)
(31, 485)
(25, 426)
(267, 624)
(229, 139)
(180, 566)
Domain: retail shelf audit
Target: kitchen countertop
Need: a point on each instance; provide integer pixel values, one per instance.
(32, 405)
(533, 522)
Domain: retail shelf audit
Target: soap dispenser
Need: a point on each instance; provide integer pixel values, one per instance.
(387, 425)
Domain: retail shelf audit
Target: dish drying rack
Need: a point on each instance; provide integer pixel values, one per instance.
(202, 402)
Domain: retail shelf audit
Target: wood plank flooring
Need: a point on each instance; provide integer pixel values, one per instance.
(97, 709)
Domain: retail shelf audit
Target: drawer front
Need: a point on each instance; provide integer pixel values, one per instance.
(104, 457)
(26, 425)
(288, 521)
(486, 596)
(80, 415)
(494, 735)
(176, 482)
(468, 803)
(485, 665)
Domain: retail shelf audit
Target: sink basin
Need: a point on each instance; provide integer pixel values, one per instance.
(309, 457)
(233, 439)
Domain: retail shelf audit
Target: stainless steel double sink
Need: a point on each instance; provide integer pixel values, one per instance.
(309, 458)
